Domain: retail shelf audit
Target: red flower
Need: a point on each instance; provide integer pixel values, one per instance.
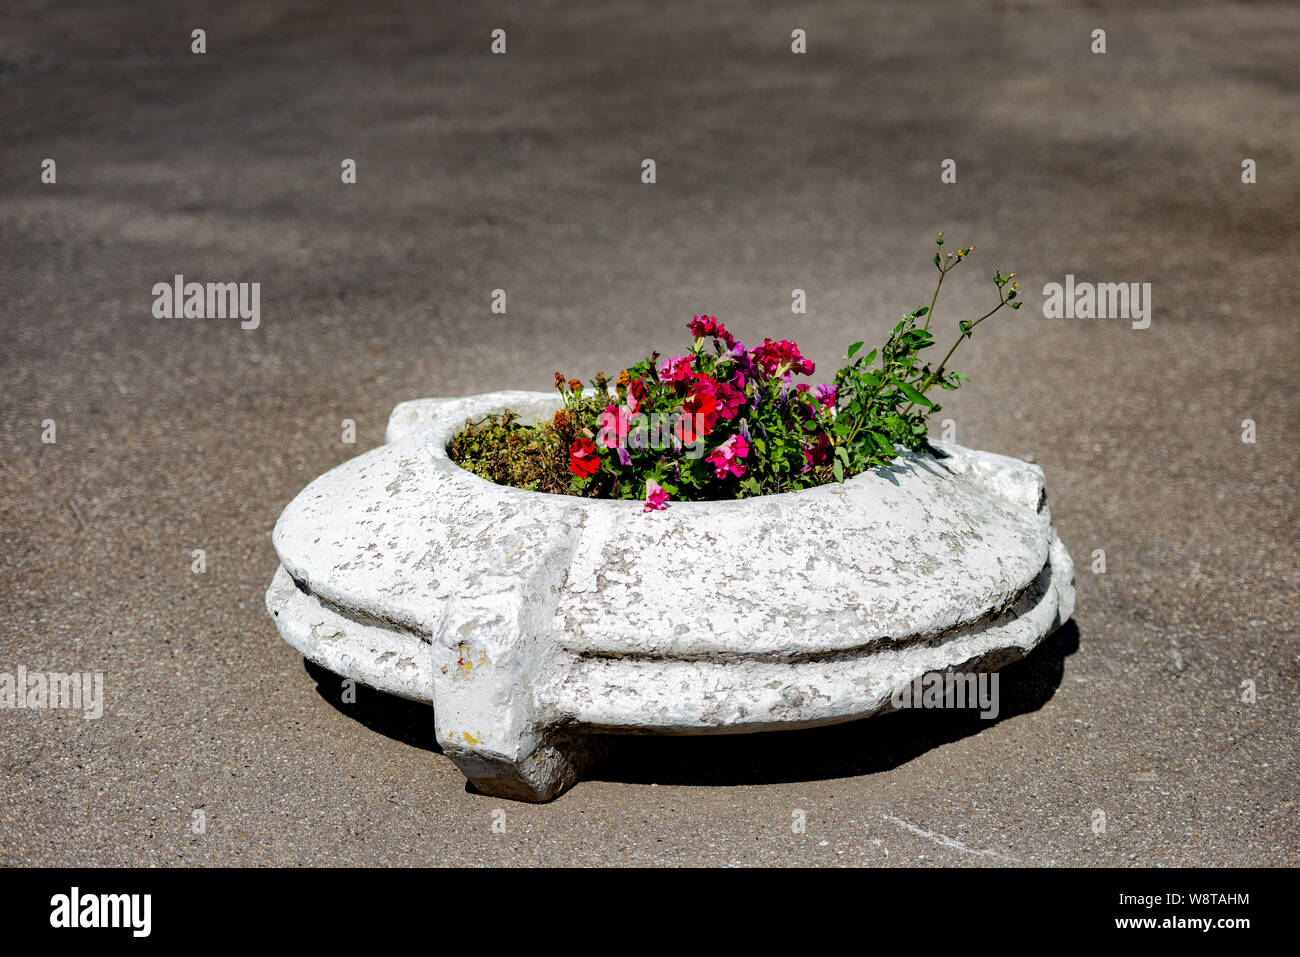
(583, 460)
(778, 358)
(700, 408)
(706, 327)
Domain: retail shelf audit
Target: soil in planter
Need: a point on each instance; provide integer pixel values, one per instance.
(501, 449)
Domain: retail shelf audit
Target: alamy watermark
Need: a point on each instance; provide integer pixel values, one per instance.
(622, 430)
(179, 299)
(1103, 300)
(54, 690)
(937, 689)
(75, 909)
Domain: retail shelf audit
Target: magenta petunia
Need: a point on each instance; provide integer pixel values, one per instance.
(615, 424)
(782, 357)
(706, 327)
(677, 369)
(656, 497)
(730, 398)
(818, 453)
(726, 458)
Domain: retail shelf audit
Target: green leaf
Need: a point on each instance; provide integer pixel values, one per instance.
(839, 470)
(852, 349)
(914, 395)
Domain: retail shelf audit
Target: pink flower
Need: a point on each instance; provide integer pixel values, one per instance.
(726, 458)
(825, 394)
(614, 425)
(655, 497)
(677, 369)
(778, 358)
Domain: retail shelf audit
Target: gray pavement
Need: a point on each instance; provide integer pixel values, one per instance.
(522, 172)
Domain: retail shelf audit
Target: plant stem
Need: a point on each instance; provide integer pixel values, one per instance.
(933, 377)
(935, 298)
(937, 374)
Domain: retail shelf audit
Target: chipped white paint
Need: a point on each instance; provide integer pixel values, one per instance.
(533, 622)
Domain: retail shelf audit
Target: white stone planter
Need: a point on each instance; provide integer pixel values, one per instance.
(534, 622)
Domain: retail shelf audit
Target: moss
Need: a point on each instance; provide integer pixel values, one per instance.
(501, 449)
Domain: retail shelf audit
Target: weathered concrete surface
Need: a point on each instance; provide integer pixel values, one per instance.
(552, 614)
(520, 172)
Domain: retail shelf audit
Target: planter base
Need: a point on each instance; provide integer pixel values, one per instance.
(538, 624)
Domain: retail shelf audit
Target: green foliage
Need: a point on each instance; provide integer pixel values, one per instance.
(885, 404)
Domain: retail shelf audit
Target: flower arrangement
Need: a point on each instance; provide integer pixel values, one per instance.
(722, 420)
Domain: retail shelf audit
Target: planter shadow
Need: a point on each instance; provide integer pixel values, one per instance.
(774, 757)
(410, 722)
(865, 746)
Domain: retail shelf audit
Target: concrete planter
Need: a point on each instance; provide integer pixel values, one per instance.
(535, 622)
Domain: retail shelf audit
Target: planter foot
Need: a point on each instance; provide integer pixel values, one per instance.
(487, 657)
(551, 769)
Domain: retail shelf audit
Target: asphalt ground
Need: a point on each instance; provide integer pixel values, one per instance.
(774, 171)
